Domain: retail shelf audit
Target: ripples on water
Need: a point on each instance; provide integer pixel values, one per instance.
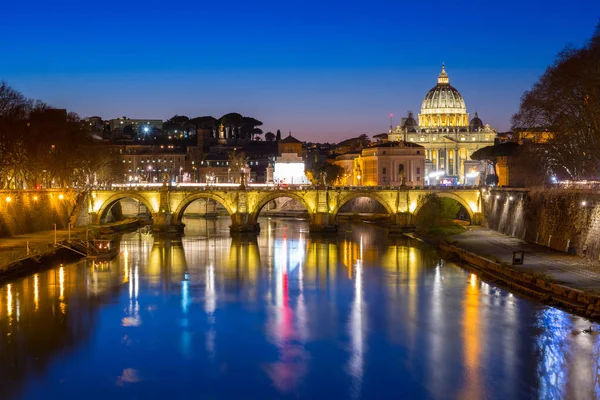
(284, 315)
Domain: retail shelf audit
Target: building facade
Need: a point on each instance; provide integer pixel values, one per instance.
(127, 128)
(447, 135)
(386, 164)
(142, 163)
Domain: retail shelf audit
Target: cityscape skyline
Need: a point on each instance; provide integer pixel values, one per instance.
(296, 68)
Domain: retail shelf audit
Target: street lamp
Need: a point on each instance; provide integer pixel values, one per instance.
(228, 179)
(149, 173)
(180, 169)
(358, 177)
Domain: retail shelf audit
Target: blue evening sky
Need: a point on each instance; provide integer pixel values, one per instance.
(325, 70)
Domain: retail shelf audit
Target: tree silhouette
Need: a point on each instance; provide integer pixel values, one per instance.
(565, 101)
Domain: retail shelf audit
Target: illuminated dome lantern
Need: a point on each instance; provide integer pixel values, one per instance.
(443, 107)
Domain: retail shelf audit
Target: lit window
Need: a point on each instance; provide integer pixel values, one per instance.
(462, 138)
(473, 138)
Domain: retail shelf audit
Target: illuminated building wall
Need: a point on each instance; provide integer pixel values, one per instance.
(289, 169)
(385, 164)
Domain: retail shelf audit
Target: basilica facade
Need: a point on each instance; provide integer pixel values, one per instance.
(447, 134)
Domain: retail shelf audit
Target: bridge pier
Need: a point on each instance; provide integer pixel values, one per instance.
(163, 222)
(94, 218)
(401, 222)
(322, 222)
(243, 223)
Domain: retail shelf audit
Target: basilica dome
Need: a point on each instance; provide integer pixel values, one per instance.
(443, 106)
(409, 123)
(476, 124)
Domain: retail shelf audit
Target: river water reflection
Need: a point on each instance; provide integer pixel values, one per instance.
(284, 315)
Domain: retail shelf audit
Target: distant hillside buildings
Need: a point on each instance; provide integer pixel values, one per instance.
(434, 150)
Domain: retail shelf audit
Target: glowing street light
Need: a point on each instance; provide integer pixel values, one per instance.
(8, 199)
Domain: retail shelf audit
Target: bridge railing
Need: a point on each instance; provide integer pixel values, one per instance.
(270, 187)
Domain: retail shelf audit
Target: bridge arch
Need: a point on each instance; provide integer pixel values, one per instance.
(275, 195)
(186, 201)
(356, 195)
(449, 195)
(114, 199)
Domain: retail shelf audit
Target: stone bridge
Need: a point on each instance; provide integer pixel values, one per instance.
(168, 203)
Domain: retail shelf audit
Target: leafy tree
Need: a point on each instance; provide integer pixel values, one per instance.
(565, 101)
(354, 144)
(269, 136)
(278, 135)
(435, 212)
(332, 173)
(249, 128)
(179, 119)
(206, 122)
(232, 123)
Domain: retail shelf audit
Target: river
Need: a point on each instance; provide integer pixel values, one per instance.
(284, 315)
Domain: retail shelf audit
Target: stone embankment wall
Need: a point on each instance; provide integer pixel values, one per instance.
(576, 301)
(26, 211)
(565, 220)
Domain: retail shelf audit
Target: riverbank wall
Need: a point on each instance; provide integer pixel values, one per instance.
(47, 259)
(562, 219)
(26, 211)
(537, 286)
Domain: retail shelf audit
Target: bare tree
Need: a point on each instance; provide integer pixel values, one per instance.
(565, 102)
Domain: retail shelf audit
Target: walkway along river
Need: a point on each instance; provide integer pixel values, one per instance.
(284, 315)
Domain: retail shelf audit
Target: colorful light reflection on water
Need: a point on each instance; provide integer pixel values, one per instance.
(284, 315)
